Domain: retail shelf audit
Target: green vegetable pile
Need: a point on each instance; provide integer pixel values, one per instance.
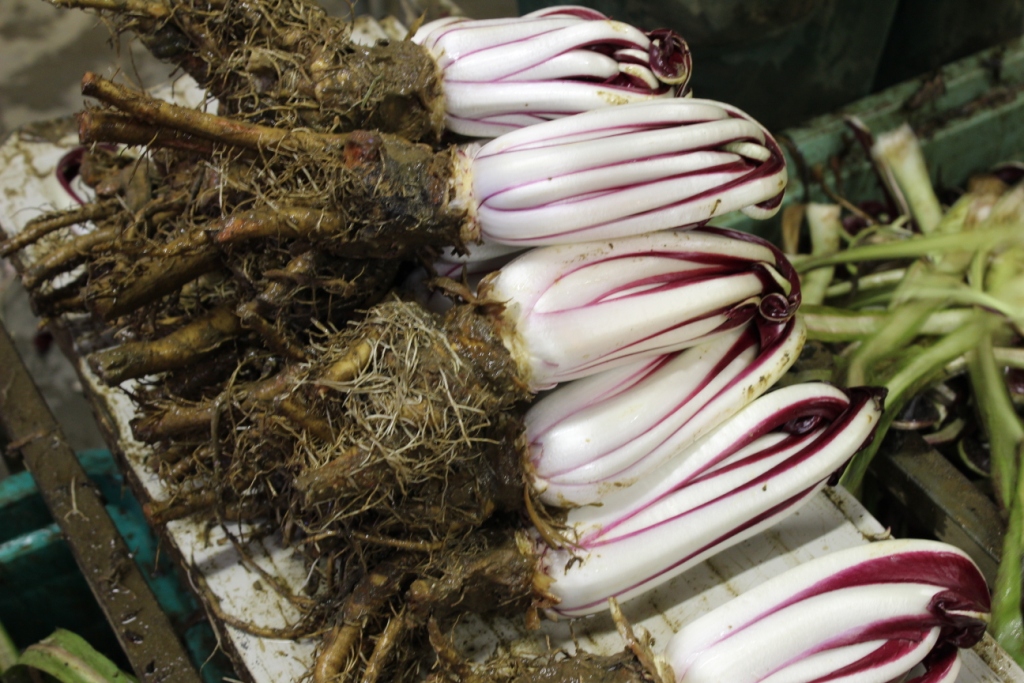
(917, 294)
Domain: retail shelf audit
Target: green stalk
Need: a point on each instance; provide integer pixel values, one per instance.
(8, 652)
(1006, 622)
(70, 659)
(825, 229)
(883, 278)
(916, 247)
(998, 417)
(899, 152)
(964, 297)
(1009, 357)
(831, 324)
(913, 376)
(902, 326)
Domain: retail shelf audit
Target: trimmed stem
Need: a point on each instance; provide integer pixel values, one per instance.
(825, 229)
(900, 152)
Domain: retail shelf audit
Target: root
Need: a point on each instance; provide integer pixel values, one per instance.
(157, 277)
(287, 63)
(38, 228)
(213, 128)
(277, 339)
(98, 126)
(399, 543)
(161, 512)
(194, 382)
(543, 524)
(350, 365)
(489, 581)
(334, 652)
(147, 8)
(366, 601)
(299, 416)
(290, 222)
(386, 643)
(295, 632)
(271, 580)
(174, 420)
(449, 658)
(654, 666)
(57, 300)
(178, 349)
(68, 256)
(346, 474)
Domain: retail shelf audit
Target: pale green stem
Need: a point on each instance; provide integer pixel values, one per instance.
(899, 151)
(928, 245)
(998, 416)
(882, 278)
(70, 659)
(992, 399)
(964, 297)
(825, 229)
(1006, 622)
(829, 324)
(8, 652)
(1009, 357)
(902, 326)
(918, 373)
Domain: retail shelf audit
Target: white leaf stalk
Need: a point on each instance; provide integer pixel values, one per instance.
(575, 310)
(868, 614)
(499, 75)
(604, 432)
(755, 469)
(620, 171)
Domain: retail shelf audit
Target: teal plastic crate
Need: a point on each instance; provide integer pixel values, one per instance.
(42, 589)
